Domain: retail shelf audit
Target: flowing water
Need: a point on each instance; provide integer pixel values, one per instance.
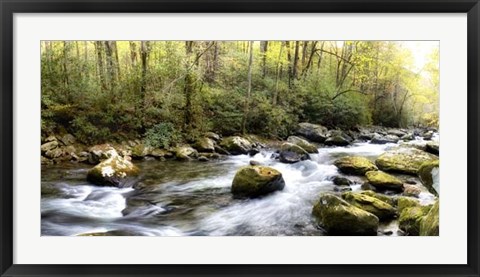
(193, 198)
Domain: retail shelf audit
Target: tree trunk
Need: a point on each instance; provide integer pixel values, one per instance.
(264, 48)
(133, 54)
(189, 86)
(110, 64)
(117, 61)
(249, 90)
(310, 58)
(277, 79)
(290, 67)
(295, 60)
(100, 69)
(144, 51)
(304, 53)
(65, 62)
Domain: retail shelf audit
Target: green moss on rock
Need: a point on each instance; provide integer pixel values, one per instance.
(392, 201)
(430, 223)
(338, 217)
(406, 160)
(404, 202)
(370, 204)
(384, 181)
(292, 153)
(354, 165)
(429, 174)
(254, 181)
(307, 146)
(411, 219)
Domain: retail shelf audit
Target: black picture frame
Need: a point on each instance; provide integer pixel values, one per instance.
(9, 8)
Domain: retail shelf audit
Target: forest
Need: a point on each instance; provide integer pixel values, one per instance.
(169, 91)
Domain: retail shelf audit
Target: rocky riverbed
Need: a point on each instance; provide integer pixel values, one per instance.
(366, 181)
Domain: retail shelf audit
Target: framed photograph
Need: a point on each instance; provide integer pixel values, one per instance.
(243, 138)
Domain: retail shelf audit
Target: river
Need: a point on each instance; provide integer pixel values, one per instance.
(175, 198)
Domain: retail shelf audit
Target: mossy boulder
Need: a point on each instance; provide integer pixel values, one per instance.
(206, 145)
(337, 140)
(411, 218)
(313, 132)
(354, 165)
(292, 153)
(430, 223)
(392, 201)
(185, 153)
(405, 159)
(338, 217)
(307, 146)
(48, 146)
(379, 139)
(382, 210)
(254, 181)
(429, 176)
(114, 171)
(236, 145)
(383, 181)
(404, 202)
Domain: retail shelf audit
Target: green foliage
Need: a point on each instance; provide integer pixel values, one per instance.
(162, 135)
(346, 84)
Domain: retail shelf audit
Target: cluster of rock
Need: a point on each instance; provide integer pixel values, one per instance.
(360, 213)
(56, 149)
(387, 197)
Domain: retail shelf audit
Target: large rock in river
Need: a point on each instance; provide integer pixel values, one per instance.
(370, 204)
(291, 153)
(313, 132)
(411, 218)
(404, 160)
(379, 139)
(338, 217)
(307, 146)
(354, 165)
(430, 223)
(112, 172)
(383, 181)
(338, 138)
(429, 176)
(257, 180)
(236, 145)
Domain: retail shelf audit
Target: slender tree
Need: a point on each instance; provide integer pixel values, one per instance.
(249, 90)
